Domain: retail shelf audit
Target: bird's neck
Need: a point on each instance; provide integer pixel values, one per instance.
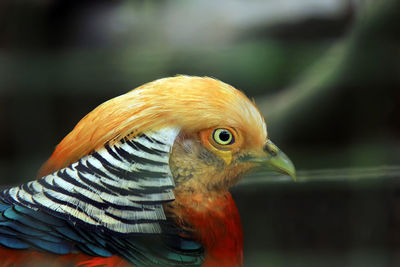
(215, 222)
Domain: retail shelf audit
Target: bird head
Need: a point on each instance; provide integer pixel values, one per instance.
(221, 133)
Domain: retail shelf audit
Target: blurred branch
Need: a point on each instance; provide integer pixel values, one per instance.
(299, 102)
(315, 84)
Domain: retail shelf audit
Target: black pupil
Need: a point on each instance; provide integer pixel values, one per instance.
(224, 136)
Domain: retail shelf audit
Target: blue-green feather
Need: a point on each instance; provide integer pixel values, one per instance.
(12, 242)
(24, 228)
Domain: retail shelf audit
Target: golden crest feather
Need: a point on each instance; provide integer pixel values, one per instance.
(186, 102)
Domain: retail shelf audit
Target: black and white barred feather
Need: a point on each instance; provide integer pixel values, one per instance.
(119, 188)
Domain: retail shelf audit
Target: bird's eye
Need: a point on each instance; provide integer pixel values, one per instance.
(223, 137)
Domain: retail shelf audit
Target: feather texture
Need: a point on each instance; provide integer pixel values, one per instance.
(61, 243)
(202, 103)
(140, 180)
(119, 189)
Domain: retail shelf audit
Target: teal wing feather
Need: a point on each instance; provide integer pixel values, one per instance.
(25, 228)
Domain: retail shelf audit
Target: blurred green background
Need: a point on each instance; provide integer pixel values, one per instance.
(326, 75)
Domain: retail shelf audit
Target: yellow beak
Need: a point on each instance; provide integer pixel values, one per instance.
(276, 160)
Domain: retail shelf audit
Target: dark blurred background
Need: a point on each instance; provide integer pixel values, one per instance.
(326, 75)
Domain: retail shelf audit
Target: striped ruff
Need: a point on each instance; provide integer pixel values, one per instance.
(118, 189)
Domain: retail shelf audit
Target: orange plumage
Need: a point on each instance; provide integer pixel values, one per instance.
(39, 259)
(217, 223)
(219, 135)
(192, 103)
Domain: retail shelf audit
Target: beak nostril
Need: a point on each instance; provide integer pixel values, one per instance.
(271, 148)
(277, 160)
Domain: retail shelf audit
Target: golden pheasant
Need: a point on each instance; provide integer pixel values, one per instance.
(143, 179)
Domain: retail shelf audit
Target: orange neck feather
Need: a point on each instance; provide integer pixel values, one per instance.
(215, 221)
(14, 257)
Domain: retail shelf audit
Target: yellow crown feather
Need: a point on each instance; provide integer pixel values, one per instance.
(189, 103)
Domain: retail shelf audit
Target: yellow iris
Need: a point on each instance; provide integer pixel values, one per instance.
(223, 137)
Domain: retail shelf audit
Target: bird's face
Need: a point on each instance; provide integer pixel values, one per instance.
(216, 158)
